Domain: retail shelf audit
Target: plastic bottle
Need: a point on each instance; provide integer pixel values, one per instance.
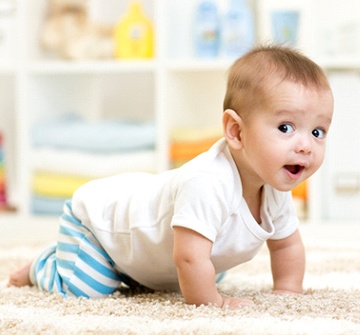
(134, 34)
(238, 32)
(207, 30)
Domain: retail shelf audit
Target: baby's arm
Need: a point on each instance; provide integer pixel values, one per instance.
(287, 263)
(196, 272)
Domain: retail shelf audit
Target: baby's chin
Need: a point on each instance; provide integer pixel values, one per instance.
(287, 188)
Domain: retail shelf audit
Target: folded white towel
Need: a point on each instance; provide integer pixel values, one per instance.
(77, 163)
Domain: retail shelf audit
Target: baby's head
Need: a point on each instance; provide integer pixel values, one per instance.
(253, 75)
(278, 110)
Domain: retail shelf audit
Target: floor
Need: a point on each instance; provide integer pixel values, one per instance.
(17, 229)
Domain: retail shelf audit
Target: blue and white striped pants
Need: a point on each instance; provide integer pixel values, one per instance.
(76, 265)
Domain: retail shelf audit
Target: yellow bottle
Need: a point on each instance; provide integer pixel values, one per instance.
(134, 34)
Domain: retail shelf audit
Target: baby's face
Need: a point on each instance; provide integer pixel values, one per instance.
(284, 140)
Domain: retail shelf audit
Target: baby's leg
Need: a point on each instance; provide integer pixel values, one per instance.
(76, 265)
(21, 277)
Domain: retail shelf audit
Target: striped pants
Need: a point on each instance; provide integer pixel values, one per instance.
(76, 265)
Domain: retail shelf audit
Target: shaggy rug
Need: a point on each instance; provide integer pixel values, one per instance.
(330, 305)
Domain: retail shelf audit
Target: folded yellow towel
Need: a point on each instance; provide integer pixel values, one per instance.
(53, 185)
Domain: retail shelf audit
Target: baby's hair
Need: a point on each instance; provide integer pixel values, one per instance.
(251, 75)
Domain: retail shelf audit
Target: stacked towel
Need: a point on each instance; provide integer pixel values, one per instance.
(299, 194)
(70, 151)
(2, 175)
(50, 190)
(113, 136)
(187, 143)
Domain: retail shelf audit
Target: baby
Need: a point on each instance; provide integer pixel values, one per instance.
(179, 229)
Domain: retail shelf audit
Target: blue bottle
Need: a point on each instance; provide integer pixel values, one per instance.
(207, 30)
(238, 30)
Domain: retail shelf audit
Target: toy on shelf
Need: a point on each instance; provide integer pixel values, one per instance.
(69, 32)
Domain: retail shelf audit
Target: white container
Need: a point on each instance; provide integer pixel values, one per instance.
(344, 39)
(238, 30)
(7, 30)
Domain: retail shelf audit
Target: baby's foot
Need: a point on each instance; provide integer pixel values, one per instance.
(21, 277)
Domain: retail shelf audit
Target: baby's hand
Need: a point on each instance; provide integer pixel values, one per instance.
(236, 303)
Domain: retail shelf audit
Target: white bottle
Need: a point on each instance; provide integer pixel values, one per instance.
(207, 30)
(238, 32)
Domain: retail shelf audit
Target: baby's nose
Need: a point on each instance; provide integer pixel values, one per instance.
(304, 144)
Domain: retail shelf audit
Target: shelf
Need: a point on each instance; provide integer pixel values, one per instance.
(127, 66)
(173, 89)
(49, 67)
(198, 65)
(339, 62)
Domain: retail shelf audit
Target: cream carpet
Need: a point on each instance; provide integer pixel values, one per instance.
(331, 304)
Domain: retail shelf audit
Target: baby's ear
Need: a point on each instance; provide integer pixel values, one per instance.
(232, 128)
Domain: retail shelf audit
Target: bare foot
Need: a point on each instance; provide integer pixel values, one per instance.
(21, 277)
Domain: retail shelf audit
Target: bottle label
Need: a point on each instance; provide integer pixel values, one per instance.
(137, 31)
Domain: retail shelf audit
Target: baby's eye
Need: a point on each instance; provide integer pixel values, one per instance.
(318, 133)
(286, 128)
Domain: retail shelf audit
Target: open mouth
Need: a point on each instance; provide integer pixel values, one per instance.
(294, 169)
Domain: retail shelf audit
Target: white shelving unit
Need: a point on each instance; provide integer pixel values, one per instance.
(174, 88)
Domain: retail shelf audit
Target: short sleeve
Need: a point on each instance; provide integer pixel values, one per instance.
(200, 204)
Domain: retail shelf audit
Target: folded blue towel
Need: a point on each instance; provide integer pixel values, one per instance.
(46, 206)
(69, 132)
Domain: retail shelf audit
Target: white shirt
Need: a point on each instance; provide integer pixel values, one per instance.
(132, 216)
